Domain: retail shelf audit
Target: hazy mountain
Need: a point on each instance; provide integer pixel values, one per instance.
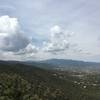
(60, 64)
(72, 64)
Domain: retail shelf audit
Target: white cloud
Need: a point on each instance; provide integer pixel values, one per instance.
(8, 25)
(13, 42)
(30, 49)
(56, 29)
(11, 38)
(58, 41)
(14, 45)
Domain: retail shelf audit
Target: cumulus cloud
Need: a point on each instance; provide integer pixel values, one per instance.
(16, 46)
(8, 25)
(30, 49)
(11, 38)
(58, 41)
(13, 42)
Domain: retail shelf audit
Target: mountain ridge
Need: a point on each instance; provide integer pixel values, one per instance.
(60, 64)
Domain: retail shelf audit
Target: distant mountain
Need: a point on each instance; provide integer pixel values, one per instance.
(40, 64)
(72, 64)
(60, 64)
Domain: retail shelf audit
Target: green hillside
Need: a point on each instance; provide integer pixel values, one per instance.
(26, 82)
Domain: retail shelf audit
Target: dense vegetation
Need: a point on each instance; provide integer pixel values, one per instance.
(25, 82)
(14, 87)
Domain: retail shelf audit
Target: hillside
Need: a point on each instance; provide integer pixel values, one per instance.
(20, 81)
(73, 65)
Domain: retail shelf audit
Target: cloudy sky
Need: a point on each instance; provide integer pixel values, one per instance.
(45, 29)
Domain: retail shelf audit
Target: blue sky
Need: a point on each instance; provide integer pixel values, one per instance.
(44, 29)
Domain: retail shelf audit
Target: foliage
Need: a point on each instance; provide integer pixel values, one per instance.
(24, 82)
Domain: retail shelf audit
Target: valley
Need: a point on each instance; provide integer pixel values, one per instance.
(35, 81)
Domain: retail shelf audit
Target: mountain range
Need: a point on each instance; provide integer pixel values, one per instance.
(60, 64)
(54, 79)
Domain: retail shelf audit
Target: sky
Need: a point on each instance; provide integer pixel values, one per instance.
(47, 29)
